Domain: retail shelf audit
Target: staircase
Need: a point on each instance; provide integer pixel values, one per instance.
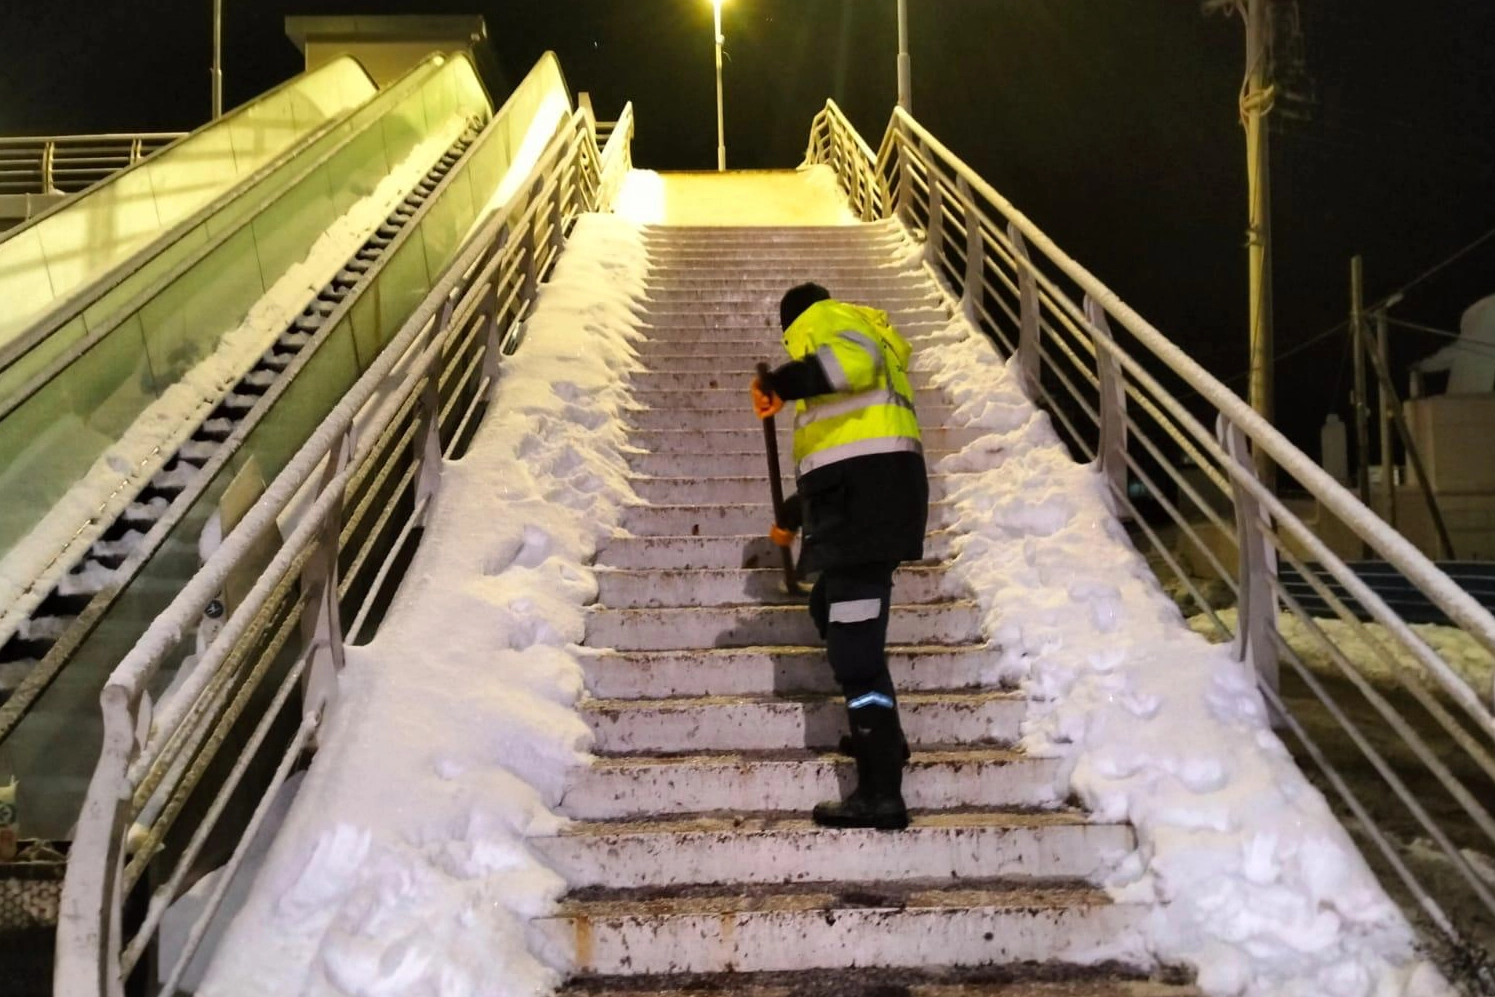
(691, 858)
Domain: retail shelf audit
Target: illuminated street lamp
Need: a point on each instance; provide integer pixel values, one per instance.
(721, 133)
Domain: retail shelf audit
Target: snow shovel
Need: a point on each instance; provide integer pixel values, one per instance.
(776, 487)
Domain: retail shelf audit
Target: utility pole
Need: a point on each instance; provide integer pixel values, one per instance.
(1386, 407)
(1362, 410)
(905, 62)
(217, 59)
(1256, 103)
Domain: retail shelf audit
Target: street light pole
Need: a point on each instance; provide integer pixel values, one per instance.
(905, 64)
(721, 131)
(217, 59)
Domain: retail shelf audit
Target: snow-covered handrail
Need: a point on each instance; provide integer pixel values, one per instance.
(381, 447)
(1117, 399)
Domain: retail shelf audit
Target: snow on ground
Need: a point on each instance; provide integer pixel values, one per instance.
(1455, 646)
(809, 195)
(402, 867)
(30, 568)
(1263, 891)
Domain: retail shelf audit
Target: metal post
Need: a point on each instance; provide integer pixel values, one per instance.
(934, 232)
(905, 63)
(217, 59)
(1384, 407)
(1257, 619)
(1111, 452)
(1029, 355)
(721, 130)
(970, 294)
(1362, 410)
(1255, 104)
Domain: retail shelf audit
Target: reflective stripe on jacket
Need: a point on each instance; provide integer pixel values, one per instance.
(866, 362)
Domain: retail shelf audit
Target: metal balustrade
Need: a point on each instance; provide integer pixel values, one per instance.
(264, 681)
(1124, 396)
(67, 164)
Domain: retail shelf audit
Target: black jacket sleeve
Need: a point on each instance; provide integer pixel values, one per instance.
(799, 379)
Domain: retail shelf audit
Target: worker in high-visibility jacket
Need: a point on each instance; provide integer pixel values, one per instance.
(863, 502)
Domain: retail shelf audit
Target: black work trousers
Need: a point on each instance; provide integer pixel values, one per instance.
(850, 608)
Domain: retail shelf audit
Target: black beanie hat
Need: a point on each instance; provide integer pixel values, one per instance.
(797, 299)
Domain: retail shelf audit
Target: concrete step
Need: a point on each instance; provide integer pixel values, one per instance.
(616, 788)
(731, 491)
(640, 589)
(743, 438)
(697, 400)
(785, 271)
(769, 723)
(1032, 980)
(728, 295)
(781, 848)
(848, 288)
(815, 930)
(656, 520)
(747, 551)
(762, 671)
(947, 623)
(712, 345)
(727, 464)
(666, 318)
(743, 418)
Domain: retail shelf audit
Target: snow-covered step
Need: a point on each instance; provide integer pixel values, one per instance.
(681, 321)
(750, 437)
(730, 491)
(768, 723)
(653, 351)
(692, 401)
(761, 671)
(747, 551)
(821, 930)
(616, 788)
(861, 291)
(752, 626)
(728, 464)
(743, 418)
(1035, 980)
(780, 848)
(631, 589)
(726, 520)
(726, 295)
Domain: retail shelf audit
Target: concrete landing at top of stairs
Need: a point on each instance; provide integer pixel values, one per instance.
(731, 199)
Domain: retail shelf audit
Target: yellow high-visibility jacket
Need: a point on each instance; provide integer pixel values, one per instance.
(866, 363)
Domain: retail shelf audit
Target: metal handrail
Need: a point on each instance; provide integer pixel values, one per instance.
(68, 164)
(1112, 406)
(418, 404)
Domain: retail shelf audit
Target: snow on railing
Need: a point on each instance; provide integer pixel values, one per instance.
(1110, 398)
(375, 463)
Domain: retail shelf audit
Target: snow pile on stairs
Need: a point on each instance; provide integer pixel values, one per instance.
(1262, 890)
(401, 868)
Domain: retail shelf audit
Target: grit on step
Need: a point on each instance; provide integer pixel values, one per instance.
(1004, 981)
(717, 722)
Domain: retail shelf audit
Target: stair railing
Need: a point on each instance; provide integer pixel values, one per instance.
(263, 683)
(1175, 447)
(67, 164)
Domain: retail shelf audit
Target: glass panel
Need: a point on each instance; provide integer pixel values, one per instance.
(111, 384)
(24, 285)
(285, 231)
(402, 286)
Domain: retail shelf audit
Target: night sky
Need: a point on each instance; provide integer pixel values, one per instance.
(1112, 123)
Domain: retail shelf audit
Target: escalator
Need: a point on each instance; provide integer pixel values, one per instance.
(106, 546)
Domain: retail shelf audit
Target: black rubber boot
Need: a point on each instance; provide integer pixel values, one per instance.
(877, 802)
(845, 747)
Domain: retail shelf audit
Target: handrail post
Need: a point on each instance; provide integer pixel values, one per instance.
(934, 232)
(905, 206)
(1030, 328)
(49, 152)
(975, 255)
(1111, 453)
(1257, 615)
(321, 619)
(428, 436)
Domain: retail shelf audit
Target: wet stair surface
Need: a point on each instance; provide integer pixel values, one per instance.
(691, 859)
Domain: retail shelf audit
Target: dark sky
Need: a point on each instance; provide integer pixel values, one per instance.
(1112, 123)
